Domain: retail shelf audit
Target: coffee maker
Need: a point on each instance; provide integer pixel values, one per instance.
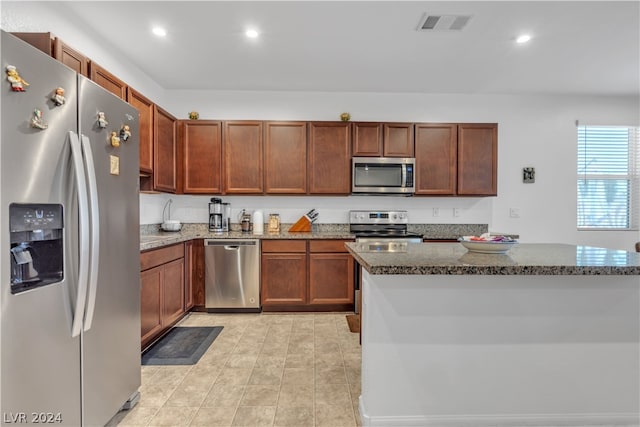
(216, 215)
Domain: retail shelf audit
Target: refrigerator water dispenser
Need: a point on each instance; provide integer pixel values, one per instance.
(36, 245)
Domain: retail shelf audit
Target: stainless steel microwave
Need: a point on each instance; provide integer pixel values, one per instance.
(382, 175)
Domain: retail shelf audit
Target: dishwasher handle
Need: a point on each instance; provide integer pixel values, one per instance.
(230, 244)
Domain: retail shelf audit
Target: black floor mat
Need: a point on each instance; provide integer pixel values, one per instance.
(181, 346)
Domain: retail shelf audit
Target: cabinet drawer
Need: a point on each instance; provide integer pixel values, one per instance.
(284, 246)
(161, 256)
(327, 245)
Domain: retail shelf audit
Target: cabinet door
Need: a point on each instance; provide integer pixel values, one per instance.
(42, 41)
(145, 108)
(285, 157)
(331, 278)
(107, 80)
(70, 57)
(201, 148)
(194, 285)
(172, 291)
(398, 140)
(284, 279)
(367, 139)
(435, 147)
(164, 151)
(150, 303)
(242, 151)
(477, 159)
(329, 158)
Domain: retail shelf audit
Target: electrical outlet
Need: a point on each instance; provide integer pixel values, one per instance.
(436, 211)
(456, 212)
(514, 212)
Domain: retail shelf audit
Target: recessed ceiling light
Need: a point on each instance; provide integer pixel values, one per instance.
(252, 34)
(523, 38)
(159, 31)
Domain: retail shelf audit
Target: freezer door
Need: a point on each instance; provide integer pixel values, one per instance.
(111, 340)
(40, 363)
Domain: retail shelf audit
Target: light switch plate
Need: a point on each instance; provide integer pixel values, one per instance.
(114, 165)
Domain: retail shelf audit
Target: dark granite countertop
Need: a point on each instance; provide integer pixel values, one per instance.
(521, 259)
(151, 237)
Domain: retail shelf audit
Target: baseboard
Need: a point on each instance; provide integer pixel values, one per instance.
(512, 420)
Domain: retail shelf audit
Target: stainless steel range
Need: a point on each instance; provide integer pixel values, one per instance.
(382, 227)
(380, 231)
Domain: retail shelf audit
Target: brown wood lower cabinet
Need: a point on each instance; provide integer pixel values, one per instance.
(194, 285)
(162, 290)
(306, 275)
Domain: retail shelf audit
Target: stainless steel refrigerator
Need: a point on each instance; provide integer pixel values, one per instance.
(69, 254)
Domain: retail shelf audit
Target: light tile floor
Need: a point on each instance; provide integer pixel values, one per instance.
(299, 370)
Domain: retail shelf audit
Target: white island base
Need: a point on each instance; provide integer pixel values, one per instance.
(500, 350)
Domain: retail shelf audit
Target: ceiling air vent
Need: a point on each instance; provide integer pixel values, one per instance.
(432, 22)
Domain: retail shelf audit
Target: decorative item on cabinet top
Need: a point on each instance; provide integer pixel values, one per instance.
(194, 115)
(345, 117)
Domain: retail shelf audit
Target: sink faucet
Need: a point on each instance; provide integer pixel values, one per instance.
(167, 205)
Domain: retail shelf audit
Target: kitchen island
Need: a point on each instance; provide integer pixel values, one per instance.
(544, 335)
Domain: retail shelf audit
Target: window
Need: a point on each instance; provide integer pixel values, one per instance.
(608, 177)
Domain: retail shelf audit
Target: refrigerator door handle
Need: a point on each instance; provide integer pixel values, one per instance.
(95, 231)
(83, 234)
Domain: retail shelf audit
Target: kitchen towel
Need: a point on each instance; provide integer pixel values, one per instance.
(181, 346)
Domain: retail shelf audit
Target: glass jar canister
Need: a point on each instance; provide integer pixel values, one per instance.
(274, 223)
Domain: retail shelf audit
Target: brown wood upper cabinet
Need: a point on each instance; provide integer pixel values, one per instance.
(329, 158)
(477, 159)
(107, 80)
(398, 140)
(56, 48)
(164, 151)
(201, 149)
(285, 157)
(366, 139)
(242, 153)
(436, 158)
(145, 108)
(372, 139)
(70, 57)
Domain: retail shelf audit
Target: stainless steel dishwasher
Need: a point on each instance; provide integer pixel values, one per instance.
(232, 275)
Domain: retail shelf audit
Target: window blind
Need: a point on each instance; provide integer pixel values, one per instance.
(608, 181)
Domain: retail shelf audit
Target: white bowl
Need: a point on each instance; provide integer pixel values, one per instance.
(171, 225)
(487, 247)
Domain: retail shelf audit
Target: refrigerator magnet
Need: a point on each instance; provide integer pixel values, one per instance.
(37, 121)
(125, 133)
(115, 139)
(102, 120)
(58, 96)
(17, 82)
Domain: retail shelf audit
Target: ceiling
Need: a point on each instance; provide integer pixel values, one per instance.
(577, 47)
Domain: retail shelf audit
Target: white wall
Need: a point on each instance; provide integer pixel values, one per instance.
(536, 131)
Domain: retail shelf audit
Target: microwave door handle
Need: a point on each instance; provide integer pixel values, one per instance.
(404, 176)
